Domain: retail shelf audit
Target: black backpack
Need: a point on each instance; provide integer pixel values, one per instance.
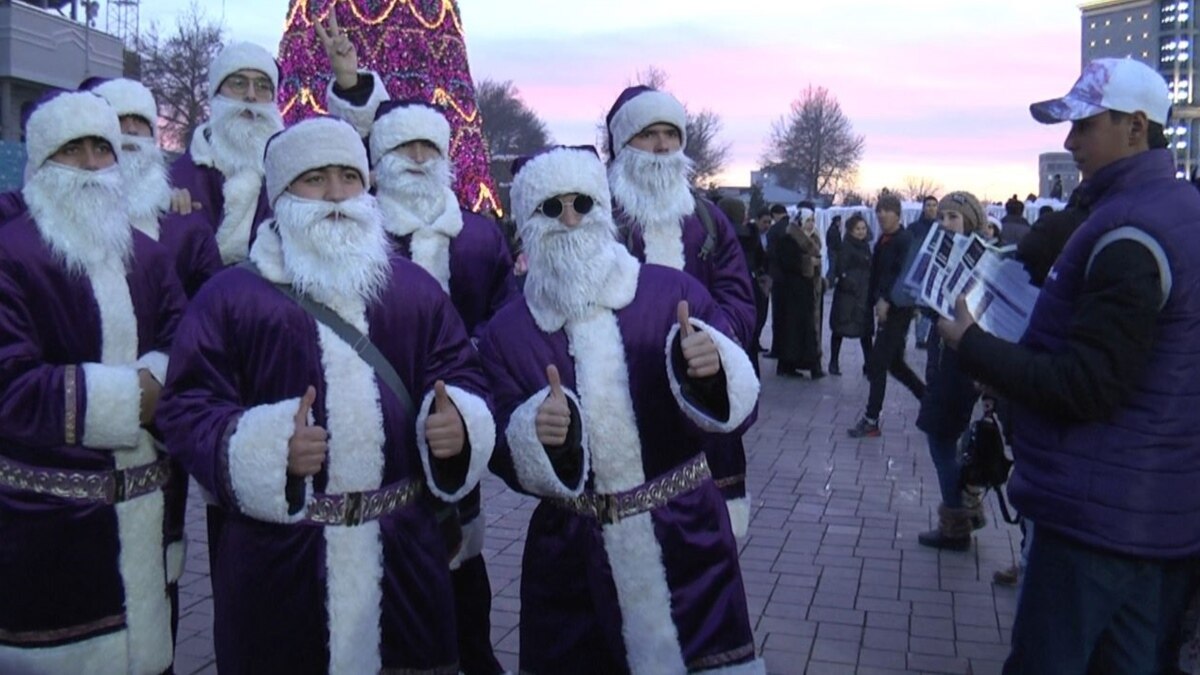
(984, 462)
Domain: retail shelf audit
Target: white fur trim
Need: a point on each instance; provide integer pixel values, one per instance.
(201, 148)
(361, 117)
(118, 323)
(156, 363)
(741, 384)
(481, 435)
(106, 654)
(430, 244)
(755, 667)
(267, 254)
(739, 515)
(664, 246)
(639, 112)
(114, 403)
(176, 557)
(559, 171)
(130, 97)
(258, 453)
(532, 464)
(472, 541)
(64, 118)
(407, 123)
(617, 291)
(241, 203)
(241, 56)
(312, 144)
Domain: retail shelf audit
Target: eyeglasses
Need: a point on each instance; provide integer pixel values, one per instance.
(553, 207)
(240, 84)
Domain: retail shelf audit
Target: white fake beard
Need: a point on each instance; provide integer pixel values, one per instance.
(568, 267)
(81, 215)
(651, 188)
(238, 142)
(423, 194)
(334, 250)
(147, 188)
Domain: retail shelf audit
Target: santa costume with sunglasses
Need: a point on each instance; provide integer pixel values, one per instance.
(88, 308)
(661, 223)
(331, 560)
(223, 167)
(605, 376)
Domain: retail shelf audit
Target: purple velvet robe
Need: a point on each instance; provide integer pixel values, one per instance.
(242, 348)
(206, 184)
(60, 577)
(572, 619)
(190, 240)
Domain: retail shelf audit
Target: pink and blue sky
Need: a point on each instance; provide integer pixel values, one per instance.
(939, 88)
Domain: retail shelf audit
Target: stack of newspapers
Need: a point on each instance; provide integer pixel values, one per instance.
(996, 285)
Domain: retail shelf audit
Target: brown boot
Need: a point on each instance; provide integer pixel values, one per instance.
(953, 532)
(972, 500)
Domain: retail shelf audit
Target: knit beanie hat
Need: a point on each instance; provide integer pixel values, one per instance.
(65, 116)
(241, 56)
(639, 107)
(315, 143)
(965, 203)
(127, 97)
(399, 122)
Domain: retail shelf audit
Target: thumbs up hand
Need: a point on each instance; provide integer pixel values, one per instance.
(444, 426)
(308, 444)
(553, 420)
(699, 350)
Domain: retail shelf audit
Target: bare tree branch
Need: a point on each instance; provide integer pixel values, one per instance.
(917, 188)
(814, 147)
(175, 69)
(509, 126)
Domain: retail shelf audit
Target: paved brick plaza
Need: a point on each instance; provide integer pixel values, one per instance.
(835, 578)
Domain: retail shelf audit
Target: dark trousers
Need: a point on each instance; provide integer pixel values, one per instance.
(835, 348)
(1083, 610)
(761, 303)
(473, 609)
(887, 356)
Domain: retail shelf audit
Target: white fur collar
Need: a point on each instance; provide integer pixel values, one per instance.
(615, 293)
(430, 245)
(664, 245)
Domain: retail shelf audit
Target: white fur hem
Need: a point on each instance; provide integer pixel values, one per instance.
(481, 436)
(740, 382)
(361, 117)
(258, 454)
(106, 654)
(739, 515)
(241, 192)
(354, 564)
(114, 404)
(156, 363)
(472, 541)
(755, 667)
(147, 607)
(530, 461)
(176, 556)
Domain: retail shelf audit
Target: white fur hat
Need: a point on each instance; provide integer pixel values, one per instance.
(64, 117)
(639, 107)
(241, 56)
(127, 97)
(398, 122)
(557, 171)
(312, 144)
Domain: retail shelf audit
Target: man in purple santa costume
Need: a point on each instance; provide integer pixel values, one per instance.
(222, 170)
(330, 557)
(605, 377)
(660, 222)
(88, 307)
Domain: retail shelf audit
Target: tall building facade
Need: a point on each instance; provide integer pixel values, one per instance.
(1161, 34)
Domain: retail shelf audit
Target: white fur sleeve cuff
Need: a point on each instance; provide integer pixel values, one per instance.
(360, 117)
(114, 406)
(258, 457)
(156, 363)
(741, 384)
(481, 437)
(530, 461)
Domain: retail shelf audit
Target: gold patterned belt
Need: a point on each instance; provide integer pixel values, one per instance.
(104, 487)
(611, 508)
(356, 508)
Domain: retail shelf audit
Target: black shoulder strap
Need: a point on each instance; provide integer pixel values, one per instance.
(710, 227)
(360, 343)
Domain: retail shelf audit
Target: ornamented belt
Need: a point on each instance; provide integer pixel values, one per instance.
(611, 508)
(105, 487)
(355, 508)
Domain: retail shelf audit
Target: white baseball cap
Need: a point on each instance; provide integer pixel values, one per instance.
(1123, 85)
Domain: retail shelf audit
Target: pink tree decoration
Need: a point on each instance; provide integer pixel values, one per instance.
(417, 47)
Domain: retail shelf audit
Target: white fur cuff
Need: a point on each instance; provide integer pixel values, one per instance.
(740, 382)
(114, 406)
(156, 363)
(481, 436)
(258, 456)
(533, 467)
(361, 117)
(739, 515)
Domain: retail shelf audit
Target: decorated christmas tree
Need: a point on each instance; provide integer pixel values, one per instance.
(418, 49)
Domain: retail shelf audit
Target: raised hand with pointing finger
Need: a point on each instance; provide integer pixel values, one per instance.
(699, 350)
(553, 420)
(444, 427)
(309, 443)
(343, 56)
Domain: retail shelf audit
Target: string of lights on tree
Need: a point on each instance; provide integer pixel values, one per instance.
(418, 49)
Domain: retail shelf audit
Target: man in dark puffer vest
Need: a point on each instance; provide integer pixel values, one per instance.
(1105, 393)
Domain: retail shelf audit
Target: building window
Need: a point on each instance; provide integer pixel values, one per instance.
(1129, 38)
(1092, 44)
(1107, 41)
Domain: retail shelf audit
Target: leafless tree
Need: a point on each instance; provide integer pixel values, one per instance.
(814, 148)
(509, 126)
(917, 188)
(175, 69)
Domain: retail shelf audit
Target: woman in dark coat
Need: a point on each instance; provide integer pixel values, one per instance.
(800, 262)
(850, 315)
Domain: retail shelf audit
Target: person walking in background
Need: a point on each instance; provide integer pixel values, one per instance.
(850, 314)
(833, 246)
(1013, 224)
(755, 247)
(799, 253)
(777, 229)
(919, 228)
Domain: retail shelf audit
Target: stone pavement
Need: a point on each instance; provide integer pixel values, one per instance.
(835, 578)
